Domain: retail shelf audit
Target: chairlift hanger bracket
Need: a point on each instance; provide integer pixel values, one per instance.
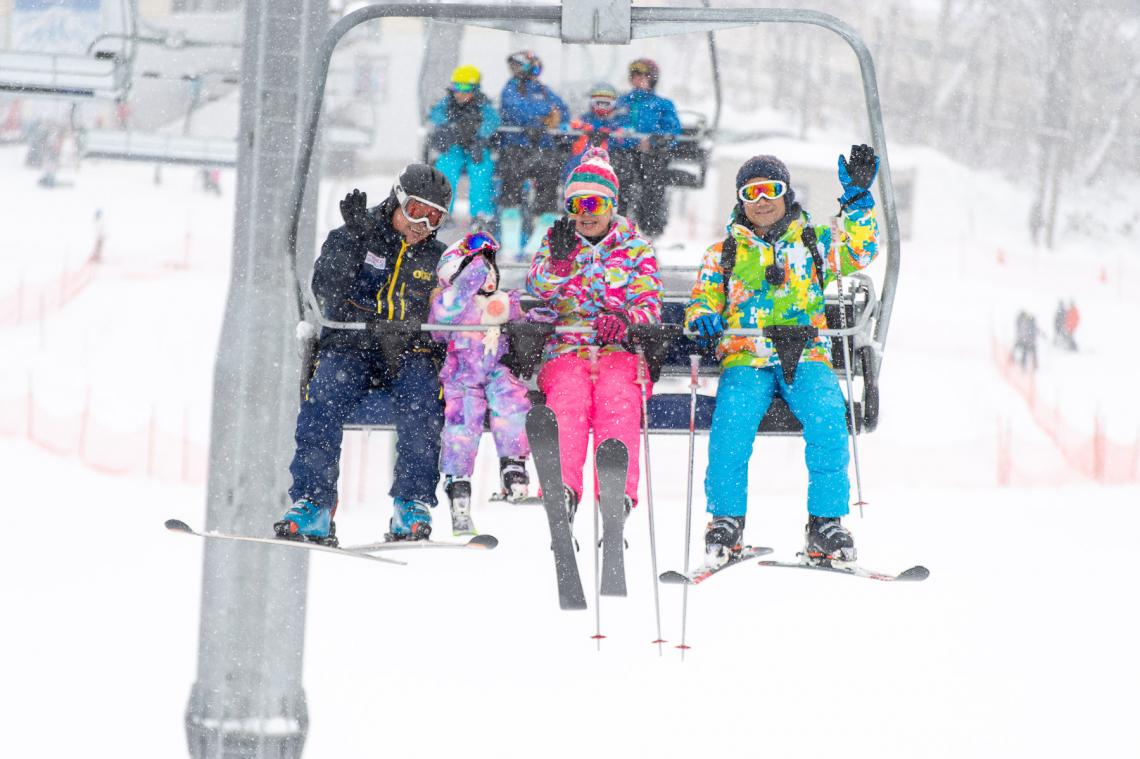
(602, 22)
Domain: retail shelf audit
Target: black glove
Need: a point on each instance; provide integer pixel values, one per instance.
(467, 136)
(354, 211)
(563, 239)
(861, 167)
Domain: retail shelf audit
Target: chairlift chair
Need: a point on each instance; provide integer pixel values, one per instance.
(605, 22)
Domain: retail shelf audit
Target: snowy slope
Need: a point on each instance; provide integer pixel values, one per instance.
(1016, 646)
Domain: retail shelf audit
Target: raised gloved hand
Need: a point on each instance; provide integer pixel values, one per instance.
(563, 244)
(708, 326)
(856, 174)
(354, 211)
(610, 327)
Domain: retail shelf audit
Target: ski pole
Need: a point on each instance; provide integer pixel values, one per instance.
(694, 368)
(847, 365)
(643, 380)
(597, 575)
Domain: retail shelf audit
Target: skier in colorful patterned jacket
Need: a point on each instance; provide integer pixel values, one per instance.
(474, 377)
(595, 270)
(378, 268)
(777, 264)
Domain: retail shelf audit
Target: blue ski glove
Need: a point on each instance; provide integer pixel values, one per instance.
(857, 174)
(708, 326)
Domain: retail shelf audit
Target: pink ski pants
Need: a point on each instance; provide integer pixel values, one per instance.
(603, 395)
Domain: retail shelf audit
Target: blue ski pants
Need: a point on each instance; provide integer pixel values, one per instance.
(480, 178)
(341, 380)
(742, 399)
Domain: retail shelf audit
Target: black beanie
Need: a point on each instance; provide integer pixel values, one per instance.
(766, 167)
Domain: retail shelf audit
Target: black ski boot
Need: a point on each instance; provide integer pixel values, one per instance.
(514, 478)
(827, 540)
(459, 493)
(723, 540)
(571, 512)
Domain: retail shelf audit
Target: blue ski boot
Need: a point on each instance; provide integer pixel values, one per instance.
(307, 521)
(411, 520)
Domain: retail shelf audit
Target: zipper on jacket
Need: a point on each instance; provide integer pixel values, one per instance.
(392, 281)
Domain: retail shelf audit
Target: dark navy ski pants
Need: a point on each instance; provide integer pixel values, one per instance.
(341, 379)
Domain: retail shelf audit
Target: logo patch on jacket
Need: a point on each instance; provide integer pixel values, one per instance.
(421, 274)
(375, 261)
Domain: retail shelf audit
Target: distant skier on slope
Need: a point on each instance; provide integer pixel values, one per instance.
(380, 268)
(474, 376)
(768, 272)
(595, 270)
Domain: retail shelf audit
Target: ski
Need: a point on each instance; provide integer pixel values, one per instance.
(704, 572)
(542, 432)
(483, 542)
(914, 574)
(612, 464)
(177, 525)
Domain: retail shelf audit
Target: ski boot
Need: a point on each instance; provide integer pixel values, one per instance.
(571, 512)
(514, 478)
(411, 520)
(458, 491)
(624, 519)
(722, 540)
(306, 521)
(827, 541)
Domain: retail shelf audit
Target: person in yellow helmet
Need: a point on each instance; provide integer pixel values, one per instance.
(464, 121)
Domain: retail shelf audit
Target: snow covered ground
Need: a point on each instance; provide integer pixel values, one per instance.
(1020, 643)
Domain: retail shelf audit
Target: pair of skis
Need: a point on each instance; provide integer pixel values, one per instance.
(916, 573)
(612, 465)
(366, 551)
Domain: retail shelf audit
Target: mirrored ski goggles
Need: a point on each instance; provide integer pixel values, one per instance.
(419, 211)
(589, 205)
(481, 242)
(770, 189)
(463, 87)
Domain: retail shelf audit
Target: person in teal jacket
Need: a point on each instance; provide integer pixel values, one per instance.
(642, 163)
(464, 122)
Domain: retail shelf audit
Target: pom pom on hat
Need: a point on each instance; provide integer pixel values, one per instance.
(593, 176)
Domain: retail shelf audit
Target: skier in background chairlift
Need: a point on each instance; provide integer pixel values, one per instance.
(528, 155)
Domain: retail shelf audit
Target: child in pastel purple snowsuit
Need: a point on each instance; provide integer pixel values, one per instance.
(473, 377)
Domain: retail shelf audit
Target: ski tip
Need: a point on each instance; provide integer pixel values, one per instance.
(177, 525)
(568, 604)
(914, 574)
(484, 541)
(674, 578)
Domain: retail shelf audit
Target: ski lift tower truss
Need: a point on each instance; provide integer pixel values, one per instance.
(609, 22)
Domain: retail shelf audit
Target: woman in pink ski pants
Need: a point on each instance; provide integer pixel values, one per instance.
(595, 270)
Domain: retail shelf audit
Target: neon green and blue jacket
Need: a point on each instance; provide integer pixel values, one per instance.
(752, 302)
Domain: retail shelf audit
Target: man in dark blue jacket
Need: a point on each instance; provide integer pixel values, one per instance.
(643, 167)
(378, 268)
(526, 151)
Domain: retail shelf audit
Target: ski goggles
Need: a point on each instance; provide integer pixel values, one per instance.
(589, 205)
(604, 105)
(481, 243)
(463, 87)
(754, 191)
(420, 211)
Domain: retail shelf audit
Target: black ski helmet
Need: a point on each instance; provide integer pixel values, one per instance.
(425, 182)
